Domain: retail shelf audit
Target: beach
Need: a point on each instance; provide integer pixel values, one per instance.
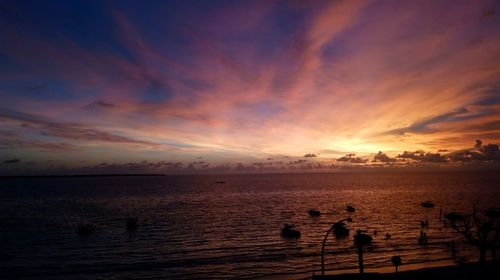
(488, 270)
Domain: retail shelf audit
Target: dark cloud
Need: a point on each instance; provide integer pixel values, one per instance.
(489, 13)
(352, 159)
(478, 144)
(99, 104)
(298, 161)
(310, 155)
(36, 88)
(423, 157)
(493, 126)
(382, 157)
(11, 161)
(14, 141)
(424, 126)
(489, 152)
(73, 131)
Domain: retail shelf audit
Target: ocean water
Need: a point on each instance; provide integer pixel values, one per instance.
(195, 227)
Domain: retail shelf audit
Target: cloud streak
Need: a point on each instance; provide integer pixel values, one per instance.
(67, 131)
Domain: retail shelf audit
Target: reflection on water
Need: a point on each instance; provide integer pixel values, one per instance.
(191, 227)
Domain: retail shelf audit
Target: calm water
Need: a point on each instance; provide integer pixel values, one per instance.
(192, 227)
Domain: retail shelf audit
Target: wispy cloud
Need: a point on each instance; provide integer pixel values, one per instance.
(68, 131)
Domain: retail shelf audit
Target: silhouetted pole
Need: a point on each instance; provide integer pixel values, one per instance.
(396, 261)
(360, 259)
(323, 251)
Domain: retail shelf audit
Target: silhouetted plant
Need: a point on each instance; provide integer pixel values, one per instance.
(396, 261)
(340, 229)
(481, 229)
(361, 239)
(288, 232)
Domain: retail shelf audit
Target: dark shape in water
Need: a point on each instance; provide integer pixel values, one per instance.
(422, 240)
(427, 204)
(340, 229)
(132, 224)
(455, 216)
(387, 236)
(350, 209)
(288, 231)
(220, 182)
(85, 228)
(396, 261)
(314, 213)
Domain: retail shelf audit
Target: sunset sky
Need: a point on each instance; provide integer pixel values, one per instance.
(215, 86)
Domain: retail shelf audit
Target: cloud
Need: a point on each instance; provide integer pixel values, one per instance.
(382, 157)
(425, 126)
(480, 152)
(423, 156)
(352, 159)
(478, 144)
(99, 104)
(15, 141)
(300, 161)
(69, 131)
(310, 155)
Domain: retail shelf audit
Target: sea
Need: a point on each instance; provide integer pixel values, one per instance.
(228, 226)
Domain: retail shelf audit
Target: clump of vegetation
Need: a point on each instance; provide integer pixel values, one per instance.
(481, 229)
(288, 232)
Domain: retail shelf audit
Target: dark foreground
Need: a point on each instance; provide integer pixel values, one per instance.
(489, 270)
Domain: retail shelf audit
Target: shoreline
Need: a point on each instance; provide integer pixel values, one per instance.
(488, 270)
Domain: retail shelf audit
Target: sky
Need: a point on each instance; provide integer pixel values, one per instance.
(248, 86)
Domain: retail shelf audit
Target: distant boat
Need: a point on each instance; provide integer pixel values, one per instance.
(220, 182)
(288, 232)
(427, 204)
(314, 213)
(350, 209)
(340, 229)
